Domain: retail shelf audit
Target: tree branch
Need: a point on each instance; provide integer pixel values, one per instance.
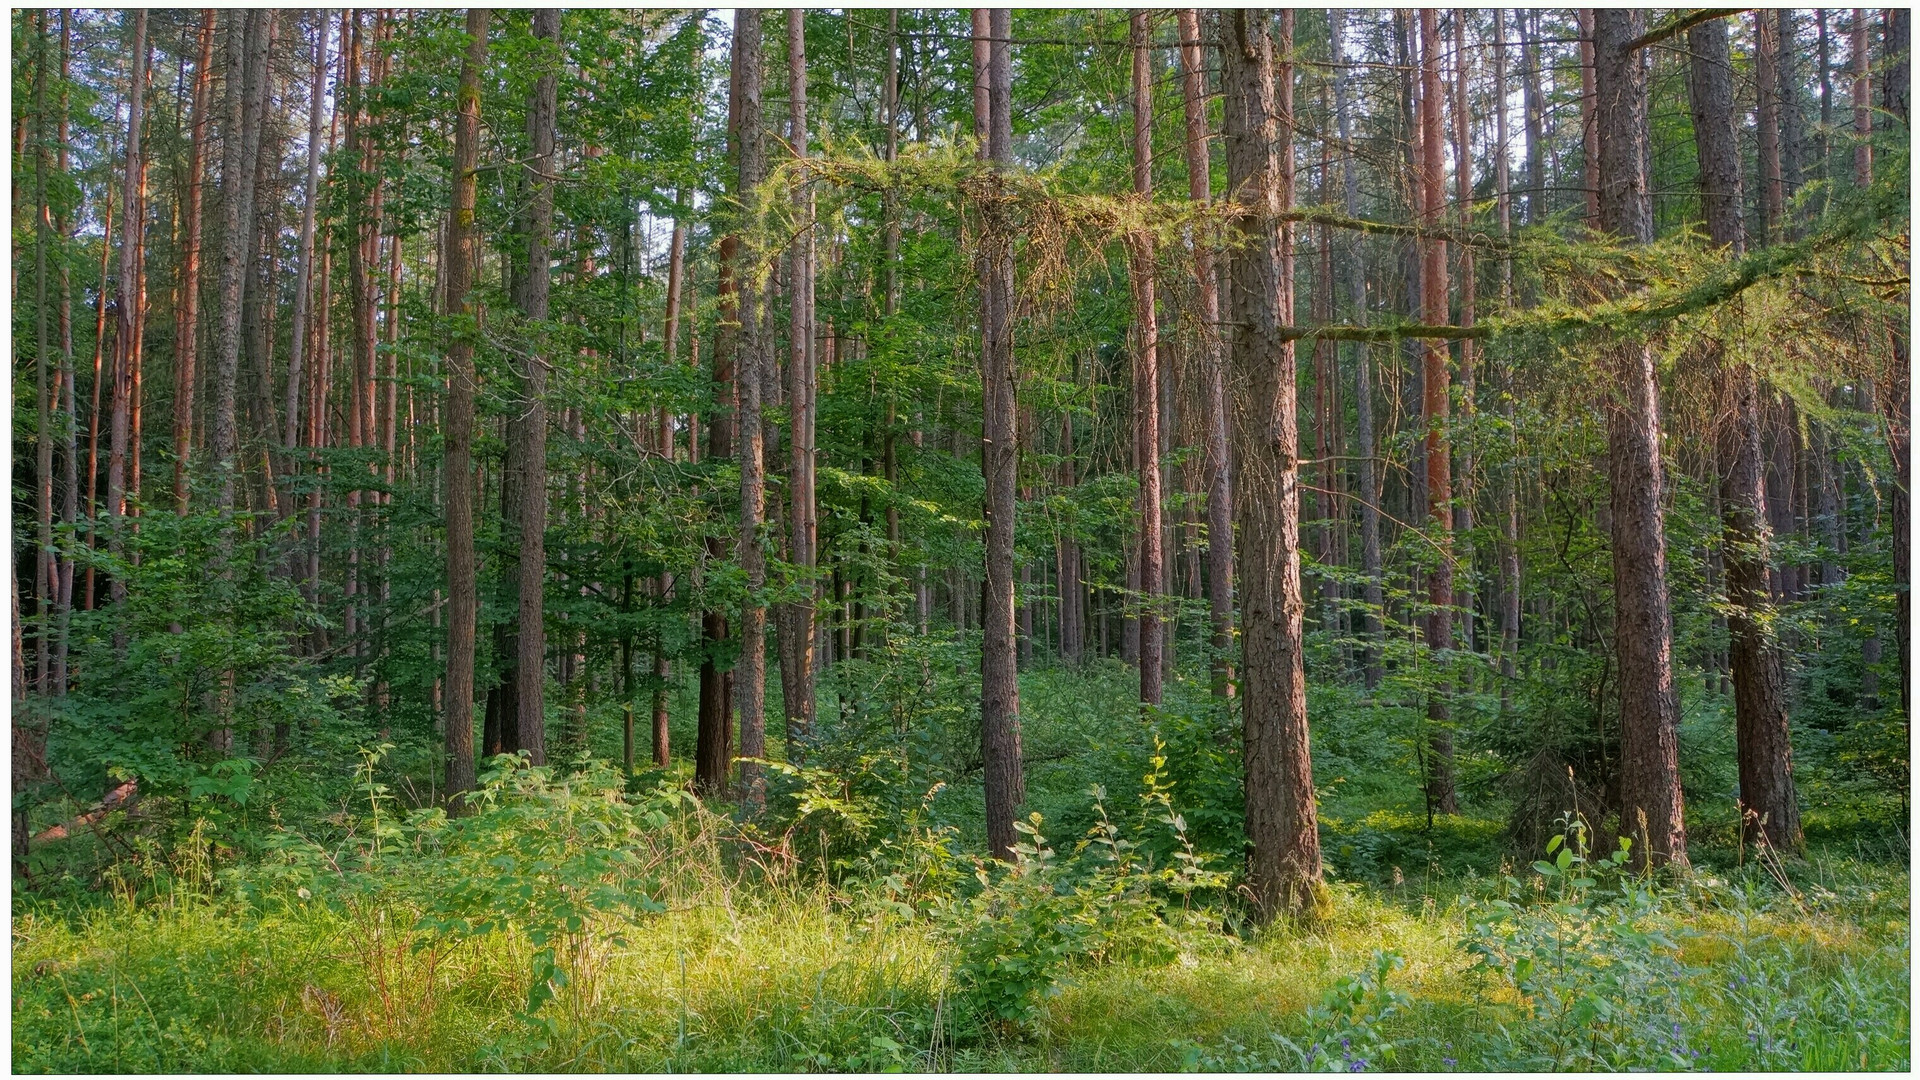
(1680, 24)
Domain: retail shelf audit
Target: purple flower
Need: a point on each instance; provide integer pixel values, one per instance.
(1448, 1062)
(1359, 1064)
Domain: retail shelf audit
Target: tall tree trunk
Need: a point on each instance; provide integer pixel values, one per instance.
(1589, 120)
(1146, 369)
(463, 586)
(70, 501)
(309, 212)
(46, 576)
(1766, 77)
(1765, 754)
(713, 750)
(1436, 392)
(127, 301)
(754, 375)
(530, 723)
(1193, 83)
(1281, 819)
(1354, 275)
(1533, 111)
(1651, 809)
(796, 678)
(246, 64)
(1895, 402)
(1469, 348)
(186, 320)
(999, 456)
(1510, 471)
(103, 370)
(1862, 102)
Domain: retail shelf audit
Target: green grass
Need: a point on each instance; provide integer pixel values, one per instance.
(757, 964)
(791, 976)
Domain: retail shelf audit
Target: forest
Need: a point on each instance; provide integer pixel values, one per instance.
(960, 540)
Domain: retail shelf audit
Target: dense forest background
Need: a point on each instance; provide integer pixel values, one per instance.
(830, 449)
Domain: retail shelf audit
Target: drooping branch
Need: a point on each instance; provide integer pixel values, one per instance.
(1679, 25)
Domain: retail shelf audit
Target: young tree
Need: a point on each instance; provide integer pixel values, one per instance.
(463, 585)
(1651, 809)
(1281, 818)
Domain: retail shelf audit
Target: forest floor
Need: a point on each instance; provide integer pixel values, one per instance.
(1466, 963)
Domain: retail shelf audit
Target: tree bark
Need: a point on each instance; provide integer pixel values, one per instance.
(999, 456)
(1146, 370)
(1651, 809)
(753, 377)
(463, 597)
(1862, 101)
(186, 320)
(1354, 275)
(246, 63)
(127, 302)
(1765, 755)
(1436, 392)
(1509, 472)
(309, 217)
(531, 720)
(1284, 867)
(796, 678)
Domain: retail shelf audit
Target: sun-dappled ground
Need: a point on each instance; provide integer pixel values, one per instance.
(733, 963)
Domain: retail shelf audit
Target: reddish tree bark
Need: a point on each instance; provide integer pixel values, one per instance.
(1284, 866)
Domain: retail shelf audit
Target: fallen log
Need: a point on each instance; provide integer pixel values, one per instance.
(113, 800)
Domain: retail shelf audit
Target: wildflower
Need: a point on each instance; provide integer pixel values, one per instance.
(1448, 1062)
(1359, 1065)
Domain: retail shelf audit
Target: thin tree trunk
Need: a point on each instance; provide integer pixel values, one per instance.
(1146, 370)
(1284, 866)
(70, 501)
(463, 598)
(797, 676)
(1509, 472)
(754, 376)
(1589, 120)
(1436, 393)
(1862, 102)
(1469, 348)
(186, 320)
(530, 722)
(304, 277)
(1355, 275)
(127, 304)
(46, 577)
(1651, 809)
(101, 372)
(1767, 82)
(999, 686)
